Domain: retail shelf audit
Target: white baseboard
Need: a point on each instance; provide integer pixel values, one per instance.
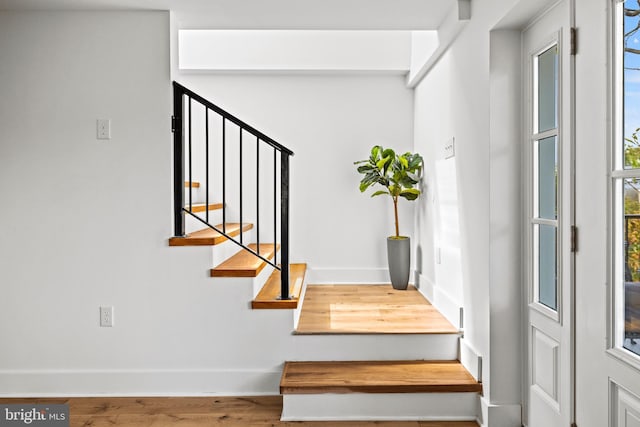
(471, 359)
(380, 407)
(68, 383)
(445, 303)
(492, 415)
(337, 276)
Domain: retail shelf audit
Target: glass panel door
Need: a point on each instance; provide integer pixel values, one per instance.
(544, 218)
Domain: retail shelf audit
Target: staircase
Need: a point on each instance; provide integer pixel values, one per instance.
(362, 352)
(375, 353)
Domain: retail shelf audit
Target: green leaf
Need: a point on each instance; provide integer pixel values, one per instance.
(382, 163)
(403, 161)
(375, 151)
(394, 190)
(379, 192)
(365, 168)
(410, 193)
(388, 153)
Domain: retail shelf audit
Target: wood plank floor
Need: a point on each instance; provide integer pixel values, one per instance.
(260, 411)
(369, 309)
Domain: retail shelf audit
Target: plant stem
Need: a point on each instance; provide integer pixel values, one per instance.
(395, 211)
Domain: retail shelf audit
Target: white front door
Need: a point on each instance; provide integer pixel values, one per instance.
(608, 214)
(547, 70)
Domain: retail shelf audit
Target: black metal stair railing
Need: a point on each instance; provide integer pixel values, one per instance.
(183, 158)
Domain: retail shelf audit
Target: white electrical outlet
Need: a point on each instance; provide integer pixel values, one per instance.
(103, 129)
(106, 316)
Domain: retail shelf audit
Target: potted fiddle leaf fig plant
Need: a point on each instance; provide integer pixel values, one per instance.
(398, 174)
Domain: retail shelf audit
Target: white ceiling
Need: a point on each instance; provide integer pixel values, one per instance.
(272, 14)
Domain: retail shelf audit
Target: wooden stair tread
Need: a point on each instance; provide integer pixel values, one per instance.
(201, 207)
(405, 376)
(244, 263)
(208, 236)
(194, 184)
(267, 298)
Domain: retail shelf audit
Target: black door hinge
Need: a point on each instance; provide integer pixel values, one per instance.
(574, 238)
(174, 122)
(574, 40)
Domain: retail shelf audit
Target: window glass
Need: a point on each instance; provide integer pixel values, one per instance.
(631, 99)
(631, 231)
(547, 89)
(547, 160)
(628, 187)
(547, 265)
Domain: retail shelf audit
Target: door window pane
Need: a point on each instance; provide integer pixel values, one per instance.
(547, 88)
(547, 160)
(631, 231)
(631, 98)
(547, 265)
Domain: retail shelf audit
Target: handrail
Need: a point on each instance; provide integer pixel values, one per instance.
(178, 129)
(233, 118)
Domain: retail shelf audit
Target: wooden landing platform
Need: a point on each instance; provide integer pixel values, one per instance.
(369, 309)
(403, 376)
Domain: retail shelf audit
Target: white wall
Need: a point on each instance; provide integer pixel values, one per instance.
(329, 121)
(454, 101)
(86, 222)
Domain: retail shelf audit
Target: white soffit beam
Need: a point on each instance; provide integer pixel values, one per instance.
(407, 15)
(292, 50)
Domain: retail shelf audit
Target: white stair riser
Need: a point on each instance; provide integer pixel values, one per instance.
(254, 283)
(191, 224)
(375, 347)
(380, 407)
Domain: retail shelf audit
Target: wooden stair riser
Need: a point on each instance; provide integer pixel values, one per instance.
(380, 407)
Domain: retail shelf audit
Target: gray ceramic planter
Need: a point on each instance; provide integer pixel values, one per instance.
(399, 257)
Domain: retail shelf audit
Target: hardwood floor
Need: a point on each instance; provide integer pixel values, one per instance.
(369, 309)
(260, 411)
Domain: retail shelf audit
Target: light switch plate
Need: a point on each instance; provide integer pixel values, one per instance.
(449, 148)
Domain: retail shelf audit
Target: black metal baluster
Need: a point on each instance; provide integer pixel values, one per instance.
(258, 191)
(224, 175)
(190, 164)
(206, 149)
(178, 163)
(241, 188)
(284, 225)
(275, 206)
